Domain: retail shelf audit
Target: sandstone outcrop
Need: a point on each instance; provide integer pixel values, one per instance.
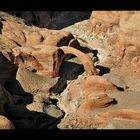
(85, 99)
(105, 24)
(85, 59)
(5, 123)
(40, 51)
(85, 95)
(119, 119)
(120, 29)
(128, 38)
(51, 19)
(36, 49)
(43, 86)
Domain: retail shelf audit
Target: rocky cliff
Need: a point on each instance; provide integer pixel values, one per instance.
(84, 76)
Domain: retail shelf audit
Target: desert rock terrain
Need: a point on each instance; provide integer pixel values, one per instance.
(84, 75)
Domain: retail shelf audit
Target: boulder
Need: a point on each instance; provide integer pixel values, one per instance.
(5, 123)
(105, 23)
(119, 119)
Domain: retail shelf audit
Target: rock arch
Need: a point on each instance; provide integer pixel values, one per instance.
(84, 58)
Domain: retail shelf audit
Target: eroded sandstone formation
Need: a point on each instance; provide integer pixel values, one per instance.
(42, 86)
(85, 59)
(33, 48)
(121, 29)
(40, 51)
(5, 123)
(51, 19)
(85, 95)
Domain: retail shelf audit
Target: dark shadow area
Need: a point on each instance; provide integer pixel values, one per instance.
(1, 25)
(23, 118)
(49, 101)
(15, 89)
(17, 112)
(120, 88)
(71, 70)
(52, 19)
(68, 71)
(85, 50)
(88, 50)
(103, 70)
(112, 102)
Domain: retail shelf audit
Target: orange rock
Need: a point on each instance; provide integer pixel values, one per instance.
(87, 94)
(132, 70)
(128, 41)
(36, 49)
(101, 20)
(98, 102)
(5, 123)
(85, 59)
(95, 85)
(105, 23)
(130, 114)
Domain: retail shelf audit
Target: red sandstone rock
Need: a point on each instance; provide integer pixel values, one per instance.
(128, 41)
(36, 49)
(94, 94)
(85, 59)
(121, 29)
(101, 120)
(87, 94)
(130, 114)
(105, 23)
(100, 21)
(90, 104)
(5, 123)
(132, 70)
(41, 51)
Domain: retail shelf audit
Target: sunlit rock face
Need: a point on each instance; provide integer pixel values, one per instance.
(121, 29)
(36, 49)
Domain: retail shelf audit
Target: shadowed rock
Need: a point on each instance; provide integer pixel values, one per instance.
(33, 48)
(5, 98)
